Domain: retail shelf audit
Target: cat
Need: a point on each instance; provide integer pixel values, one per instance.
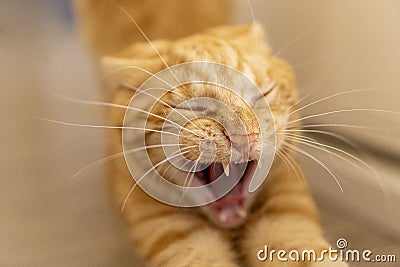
(281, 214)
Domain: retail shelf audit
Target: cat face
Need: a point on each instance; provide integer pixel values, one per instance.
(221, 144)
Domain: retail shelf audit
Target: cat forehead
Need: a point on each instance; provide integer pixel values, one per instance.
(207, 77)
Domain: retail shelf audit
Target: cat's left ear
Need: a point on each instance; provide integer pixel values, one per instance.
(120, 73)
(121, 77)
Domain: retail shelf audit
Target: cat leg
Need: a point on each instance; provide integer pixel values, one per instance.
(169, 236)
(286, 218)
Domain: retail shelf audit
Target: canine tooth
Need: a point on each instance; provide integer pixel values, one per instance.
(222, 216)
(241, 211)
(226, 168)
(259, 164)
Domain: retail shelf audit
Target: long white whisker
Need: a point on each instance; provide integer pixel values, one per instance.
(302, 137)
(285, 155)
(333, 134)
(253, 17)
(148, 40)
(329, 97)
(176, 154)
(168, 105)
(189, 174)
(115, 156)
(297, 166)
(309, 62)
(106, 126)
(296, 103)
(318, 161)
(315, 144)
(136, 68)
(343, 111)
(194, 169)
(342, 125)
(283, 48)
(285, 160)
(98, 103)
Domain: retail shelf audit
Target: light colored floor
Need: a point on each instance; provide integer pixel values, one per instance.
(46, 219)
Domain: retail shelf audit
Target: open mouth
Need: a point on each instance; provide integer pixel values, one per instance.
(230, 210)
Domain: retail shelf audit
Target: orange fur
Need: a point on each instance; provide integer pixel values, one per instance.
(283, 214)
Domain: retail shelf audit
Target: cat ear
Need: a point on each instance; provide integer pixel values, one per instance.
(121, 77)
(120, 72)
(125, 73)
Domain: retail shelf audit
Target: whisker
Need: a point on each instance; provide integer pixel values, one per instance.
(307, 138)
(137, 68)
(290, 157)
(309, 62)
(253, 17)
(329, 97)
(195, 167)
(151, 169)
(315, 144)
(293, 41)
(284, 156)
(190, 173)
(296, 103)
(182, 167)
(165, 103)
(148, 40)
(115, 156)
(343, 111)
(342, 138)
(252, 11)
(316, 160)
(106, 127)
(343, 125)
(285, 160)
(98, 103)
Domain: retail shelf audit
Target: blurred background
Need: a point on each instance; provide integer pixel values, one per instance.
(48, 219)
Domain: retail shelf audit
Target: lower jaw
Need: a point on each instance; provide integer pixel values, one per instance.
(230, 211)
(227, 216)
(232, 222)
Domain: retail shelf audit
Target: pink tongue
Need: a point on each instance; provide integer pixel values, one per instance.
(235, 174)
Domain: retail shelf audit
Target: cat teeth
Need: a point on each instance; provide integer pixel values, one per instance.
(223, 216)
(259, 164)
(241, 211)
(226, 168)
(232, 211)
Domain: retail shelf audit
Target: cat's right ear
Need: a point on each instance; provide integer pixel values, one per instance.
(123, 73)
(131, 67)
(121, 77)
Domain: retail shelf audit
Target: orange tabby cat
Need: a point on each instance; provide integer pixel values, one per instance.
(232, 230)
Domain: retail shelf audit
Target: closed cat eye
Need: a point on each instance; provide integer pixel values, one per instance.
(269, 89)
(192, 108)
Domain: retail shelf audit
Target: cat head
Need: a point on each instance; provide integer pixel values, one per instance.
(216, 124)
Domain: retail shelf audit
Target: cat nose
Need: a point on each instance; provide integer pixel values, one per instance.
(245, 144)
